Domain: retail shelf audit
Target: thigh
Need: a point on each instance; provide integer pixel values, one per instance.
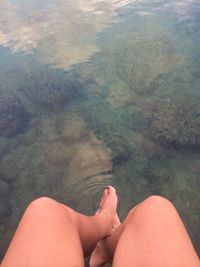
(46, 237)
(154, 235)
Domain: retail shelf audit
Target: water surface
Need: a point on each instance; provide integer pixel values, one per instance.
(95, 93)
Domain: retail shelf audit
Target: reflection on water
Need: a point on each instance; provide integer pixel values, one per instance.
(121, 107)
(60, 33)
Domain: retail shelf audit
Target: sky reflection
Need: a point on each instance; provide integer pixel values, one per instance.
(61, 33)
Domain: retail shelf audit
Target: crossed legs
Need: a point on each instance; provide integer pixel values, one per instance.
(51, 234)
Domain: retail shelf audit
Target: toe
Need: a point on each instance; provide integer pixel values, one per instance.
(111, 190)
(105, 194)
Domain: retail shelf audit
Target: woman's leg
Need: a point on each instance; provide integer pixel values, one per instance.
(152, 235)
(52, 234)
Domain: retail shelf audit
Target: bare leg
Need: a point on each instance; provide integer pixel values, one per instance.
(51, 234)
(100, 254)
(152, 235)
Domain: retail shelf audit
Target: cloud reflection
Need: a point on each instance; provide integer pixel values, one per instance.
(61, 33)
(64, 32)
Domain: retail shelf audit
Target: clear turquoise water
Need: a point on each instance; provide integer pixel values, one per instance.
(95, 93)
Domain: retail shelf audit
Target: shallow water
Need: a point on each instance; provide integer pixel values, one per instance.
(95, 93)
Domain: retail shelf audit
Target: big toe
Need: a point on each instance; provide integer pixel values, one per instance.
(109, 200)
(111, 190)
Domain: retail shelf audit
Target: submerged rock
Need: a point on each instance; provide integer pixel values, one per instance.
(137, 60)
(13, 116)
(175, 121)
(51, 89)
(71, 127)
(5, 187)
(4, 146)
(89, 157)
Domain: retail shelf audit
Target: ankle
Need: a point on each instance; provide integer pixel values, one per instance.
(104, 222)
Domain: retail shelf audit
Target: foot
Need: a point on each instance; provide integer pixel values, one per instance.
(108, 205)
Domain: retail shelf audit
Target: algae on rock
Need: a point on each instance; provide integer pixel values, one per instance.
(13, 116)
(175, 121)
(51, 89)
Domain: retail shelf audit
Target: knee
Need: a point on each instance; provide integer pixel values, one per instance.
(152, 205)
(157, 202)
(42, 204)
